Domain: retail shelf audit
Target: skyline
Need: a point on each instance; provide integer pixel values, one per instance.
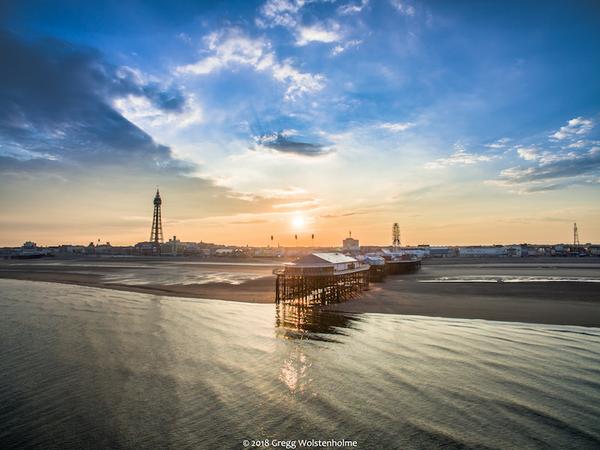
(301, 239)
(466, 123)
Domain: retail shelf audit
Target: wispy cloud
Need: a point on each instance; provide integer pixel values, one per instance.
(551, 170)
(231, 48)
(403, 7)
(574, 128)
(318, 32)
(283, 144)
(282, 13)
(396, 127)
(353, 8)
(500, 143)
(460, 157)
(297, 205)
(140, 111)
(340, 48)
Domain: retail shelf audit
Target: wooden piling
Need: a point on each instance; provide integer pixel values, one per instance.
(319, 285)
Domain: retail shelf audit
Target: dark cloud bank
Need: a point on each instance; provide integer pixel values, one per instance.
(55, 108)
(63, 142)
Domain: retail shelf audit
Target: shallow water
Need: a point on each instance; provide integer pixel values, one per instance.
(511, 279)
(158, 272)
(84, 367)
(165, 275)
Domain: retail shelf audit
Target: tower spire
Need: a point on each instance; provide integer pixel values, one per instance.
(156, 234)
(396, 235)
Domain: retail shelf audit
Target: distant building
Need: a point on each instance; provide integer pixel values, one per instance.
(594, 250)
(225, 252)
(440, 252)
(145, 249)
(70, 249)
(350, 245)
(172, 247)
(493, 251)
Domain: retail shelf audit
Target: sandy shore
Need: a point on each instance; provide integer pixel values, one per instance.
(560, 303)
(95, 273)
(564, 302)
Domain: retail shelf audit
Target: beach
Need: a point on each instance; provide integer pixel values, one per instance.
(551, 291)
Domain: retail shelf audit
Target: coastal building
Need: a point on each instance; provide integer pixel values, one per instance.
(350, 244)
(440, 252)
(145, 249)
(480, 252)
(594, 250)
(172, 247)
(29, 245)
(70, 249)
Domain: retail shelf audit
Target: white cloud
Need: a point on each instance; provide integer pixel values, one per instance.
(337, 50)
(232, 48)
(282, 13)
(574, 127)
(528, 153)
(140, 111)
(353, 8)
(340, 48)
(582, 143)
(500, 143)
(550, 169)
(549, 157)
(459, 158)
(318, 33)
(403, 7)
(396, 127)
(299, 83)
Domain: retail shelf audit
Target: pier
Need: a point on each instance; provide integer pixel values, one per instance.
(320, 279)
(399, 266)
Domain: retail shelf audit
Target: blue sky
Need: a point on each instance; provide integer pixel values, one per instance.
(467, 122)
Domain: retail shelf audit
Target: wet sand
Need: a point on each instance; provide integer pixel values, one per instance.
(558, 302)
(97, 273)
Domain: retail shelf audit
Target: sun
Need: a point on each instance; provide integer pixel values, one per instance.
(298, 222)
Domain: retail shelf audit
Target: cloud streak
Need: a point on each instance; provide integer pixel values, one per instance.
(280, 142)
(460, 157)
(396, 127)
(318, 33)
(551, 170)
(353, 8)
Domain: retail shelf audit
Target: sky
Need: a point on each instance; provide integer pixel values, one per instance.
(465, 122)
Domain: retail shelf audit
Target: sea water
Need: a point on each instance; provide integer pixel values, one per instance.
(92, 368)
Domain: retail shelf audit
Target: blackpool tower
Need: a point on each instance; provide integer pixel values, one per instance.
(156, 235)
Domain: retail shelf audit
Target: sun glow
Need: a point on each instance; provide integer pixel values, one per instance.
(298, 222)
